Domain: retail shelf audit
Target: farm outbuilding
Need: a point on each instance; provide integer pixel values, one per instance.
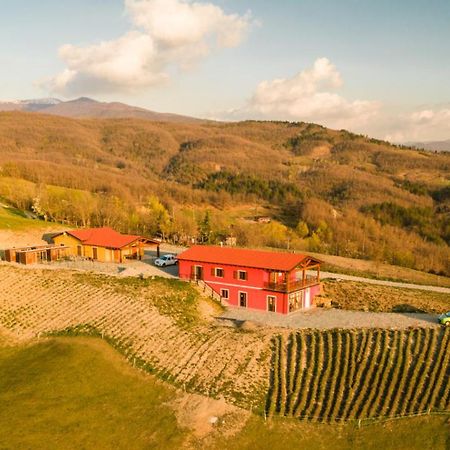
(105, 244)
(36, 254)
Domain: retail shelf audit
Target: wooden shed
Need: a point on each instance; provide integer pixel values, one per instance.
(36, 254)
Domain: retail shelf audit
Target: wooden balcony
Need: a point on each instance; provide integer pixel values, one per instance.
(309, 280)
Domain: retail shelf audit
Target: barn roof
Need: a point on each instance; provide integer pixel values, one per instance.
(105, 237)
(245, 258)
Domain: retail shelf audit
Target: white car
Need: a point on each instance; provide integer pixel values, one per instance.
(166, 260)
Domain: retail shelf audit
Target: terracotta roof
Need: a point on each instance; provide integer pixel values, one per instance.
(242, 257)
(103, 237)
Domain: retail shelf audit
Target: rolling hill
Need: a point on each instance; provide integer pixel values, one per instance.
(324, 190)
(87, 107)
(435, 146)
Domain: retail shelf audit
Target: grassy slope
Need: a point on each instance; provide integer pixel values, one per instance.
(369, 297)
(13, 219)
(381, 271)
(78, 393)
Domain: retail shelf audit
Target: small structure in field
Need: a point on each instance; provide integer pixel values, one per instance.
(231, 241)
(36, 254)
(105, 244)
(263, 280)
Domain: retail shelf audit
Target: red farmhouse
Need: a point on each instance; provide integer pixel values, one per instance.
(263, 280)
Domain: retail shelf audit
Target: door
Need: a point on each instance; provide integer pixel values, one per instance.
(271, 303)
(243, 299)
(79, 250)
(95, 253)
(198, 272)
(307, 298)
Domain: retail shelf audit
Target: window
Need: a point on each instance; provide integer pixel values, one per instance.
(271, 303)
(295, 300)
(242, 275)
(225, 293)
(197, 272)
(243, 299)
(218, 272)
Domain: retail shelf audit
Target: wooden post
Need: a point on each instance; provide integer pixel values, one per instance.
(288, 276)
(304, 277)
(318, 274)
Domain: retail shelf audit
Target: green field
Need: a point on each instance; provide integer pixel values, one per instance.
(72, 393)
(15, 220)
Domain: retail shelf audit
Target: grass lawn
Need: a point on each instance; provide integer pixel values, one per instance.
(356, 296)
(406, 434)
(379, 271)
(73, 393)
(15, 220)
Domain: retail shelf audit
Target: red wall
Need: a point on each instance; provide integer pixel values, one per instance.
(253, 286)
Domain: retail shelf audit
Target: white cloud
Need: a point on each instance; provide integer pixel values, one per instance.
(430, 124)
(177, 23)
(309, 96)
(166, 34)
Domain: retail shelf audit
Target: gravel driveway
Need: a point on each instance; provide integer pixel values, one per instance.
(333, 318)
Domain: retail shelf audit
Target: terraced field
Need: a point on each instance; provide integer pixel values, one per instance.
(342, 375)
(218, 361)
(319, 375)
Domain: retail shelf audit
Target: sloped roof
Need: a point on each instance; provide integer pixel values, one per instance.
(244, 257)
(104, 237)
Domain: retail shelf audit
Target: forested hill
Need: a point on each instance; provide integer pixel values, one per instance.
(324, 190)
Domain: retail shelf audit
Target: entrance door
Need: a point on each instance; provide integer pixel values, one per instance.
(95, 253)
(271, 303)
(198, 272)
(307, 298)
(243, 299)
(79, 250)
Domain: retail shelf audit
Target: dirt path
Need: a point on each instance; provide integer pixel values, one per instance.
(339, 276)
(333, 318)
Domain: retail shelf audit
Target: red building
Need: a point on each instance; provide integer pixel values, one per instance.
(262, 280)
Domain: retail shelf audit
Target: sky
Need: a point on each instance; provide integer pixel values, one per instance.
(380, 68)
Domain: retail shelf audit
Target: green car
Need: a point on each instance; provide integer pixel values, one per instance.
(444, 319)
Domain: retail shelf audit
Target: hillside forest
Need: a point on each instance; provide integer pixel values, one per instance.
(295, 186)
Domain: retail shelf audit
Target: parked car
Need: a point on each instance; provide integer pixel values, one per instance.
(444, 319)
(166, 260)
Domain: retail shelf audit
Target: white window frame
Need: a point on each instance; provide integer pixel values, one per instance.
(215, 272)
(267, 303)
(246, 299)
(227, 297)
(239, 275)
(196, 266)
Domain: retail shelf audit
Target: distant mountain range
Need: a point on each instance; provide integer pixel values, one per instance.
(87, 107)
(436, 146)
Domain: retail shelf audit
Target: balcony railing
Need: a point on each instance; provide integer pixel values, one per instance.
(293, 285)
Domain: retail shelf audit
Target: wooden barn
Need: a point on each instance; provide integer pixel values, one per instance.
(36, 254)
(263, 280)
(105, 244)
